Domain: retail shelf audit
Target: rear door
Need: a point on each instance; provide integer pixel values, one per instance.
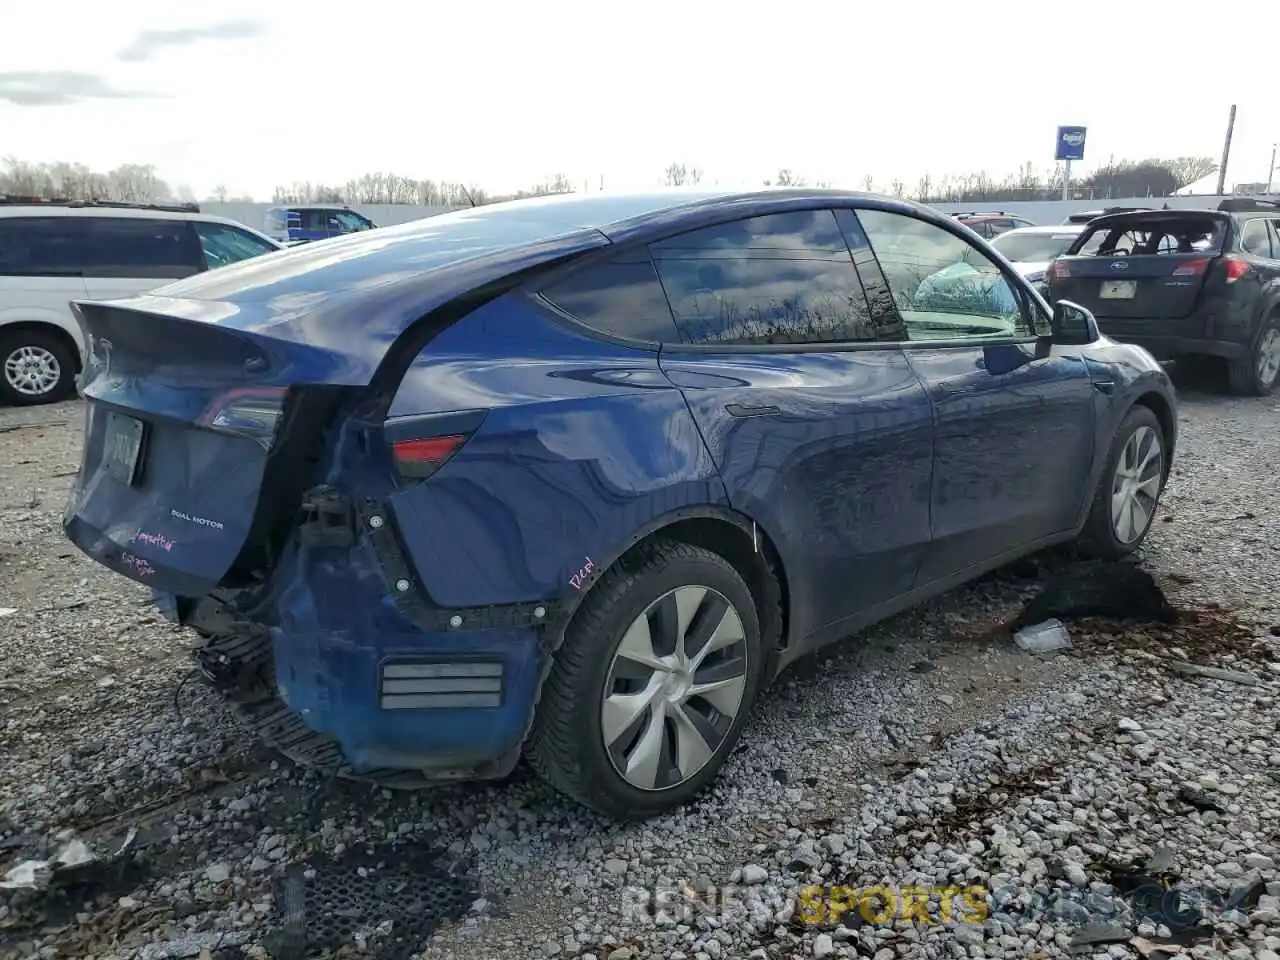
(1141, 267)
(819, 427)
(39, 269)
(125, 256)
(1014, 441)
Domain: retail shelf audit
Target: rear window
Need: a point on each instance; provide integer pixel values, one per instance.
(1157, 237)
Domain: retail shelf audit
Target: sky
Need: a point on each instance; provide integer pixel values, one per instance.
(503, 95)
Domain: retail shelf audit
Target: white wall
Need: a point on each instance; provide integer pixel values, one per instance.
(1037, 211)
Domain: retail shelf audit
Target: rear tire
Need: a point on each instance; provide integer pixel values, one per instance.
(1129, 489)
(627, 727)
(1255, 375)
(35, 367)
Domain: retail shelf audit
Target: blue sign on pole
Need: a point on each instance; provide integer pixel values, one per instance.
(1070, 143)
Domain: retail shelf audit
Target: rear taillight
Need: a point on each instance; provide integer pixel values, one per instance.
(1058, 270)
(1236, 268)
(422, 457)
(1192, 268)
(252, 412)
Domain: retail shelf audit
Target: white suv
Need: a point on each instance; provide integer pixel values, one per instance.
(53, 252)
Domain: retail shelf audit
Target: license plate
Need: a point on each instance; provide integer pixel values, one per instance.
(122, 447)
(1118, 289)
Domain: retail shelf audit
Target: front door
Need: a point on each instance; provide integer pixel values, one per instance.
(817, 422)
(1014, 442)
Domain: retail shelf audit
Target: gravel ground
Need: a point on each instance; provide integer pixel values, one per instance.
(928, 753)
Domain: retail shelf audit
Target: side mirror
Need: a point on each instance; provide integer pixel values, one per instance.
(1073, 325)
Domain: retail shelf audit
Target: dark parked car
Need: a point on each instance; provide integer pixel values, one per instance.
(1185, 283)
(575, 477)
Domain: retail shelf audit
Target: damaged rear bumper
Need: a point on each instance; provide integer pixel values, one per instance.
(406, 712)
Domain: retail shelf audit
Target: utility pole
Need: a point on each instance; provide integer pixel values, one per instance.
(1271, 170)
(1226, 150)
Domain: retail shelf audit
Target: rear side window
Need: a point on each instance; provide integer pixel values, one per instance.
(784, 278)
(1163, 236)
(139, 247)
(620, 297)
(39, 246)
(1254, 238)
(224, 244)
(134, 247)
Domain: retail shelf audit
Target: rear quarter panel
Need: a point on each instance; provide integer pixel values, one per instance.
(42, 300)
(585, 443)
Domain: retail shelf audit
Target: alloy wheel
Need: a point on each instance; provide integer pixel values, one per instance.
(675, 685)
(1269, 357)
(32, 371)
(1135, 487)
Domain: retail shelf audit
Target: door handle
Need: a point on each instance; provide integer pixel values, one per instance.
(1105, 386)
(747, 410)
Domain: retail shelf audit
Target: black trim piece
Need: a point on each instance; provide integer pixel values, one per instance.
(414, 601)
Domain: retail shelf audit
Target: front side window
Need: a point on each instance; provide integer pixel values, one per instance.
(943, 286)
(784, 278)
(620, 297)
(352, 222)
(138, 247)
(224, 244)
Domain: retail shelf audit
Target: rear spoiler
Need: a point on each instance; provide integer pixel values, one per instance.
(1249, 205)
(1088, 215)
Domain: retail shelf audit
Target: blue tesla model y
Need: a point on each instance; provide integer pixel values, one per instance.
(573, 478)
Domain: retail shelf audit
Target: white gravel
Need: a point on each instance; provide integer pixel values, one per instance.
(927, 753)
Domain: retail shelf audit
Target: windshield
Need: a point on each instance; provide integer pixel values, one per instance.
(1033, 247)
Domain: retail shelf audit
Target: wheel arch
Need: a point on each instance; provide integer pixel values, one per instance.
(1159, 405)
(737, 538)
(9, 327)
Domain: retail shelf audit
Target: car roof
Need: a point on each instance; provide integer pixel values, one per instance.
(501, 238)
(312, 206)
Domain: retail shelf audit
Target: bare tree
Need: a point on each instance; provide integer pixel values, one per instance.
(681, 175)
(1187, 170)
(869, 183)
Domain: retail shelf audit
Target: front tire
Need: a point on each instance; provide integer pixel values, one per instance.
(1255, 375)
(1129, 489)
(650, 690)
(35, 367)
